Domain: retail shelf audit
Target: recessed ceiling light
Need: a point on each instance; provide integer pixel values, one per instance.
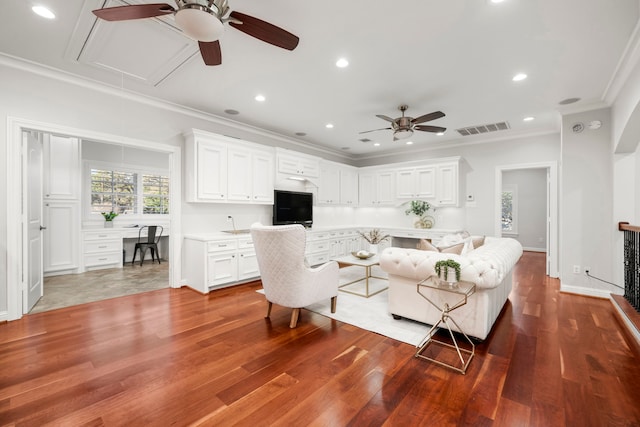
(43, 11)
(440, 133)
(329, 126)
(232, 112)
(342, 63)
(260, 98)
(496, 1)
(528, 119)
(409, 142)
(301, 134)
(518, 77)
(377, 144)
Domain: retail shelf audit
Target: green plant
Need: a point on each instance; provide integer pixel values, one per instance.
(374, 236)
(446, 264)
(109, 216)
(418, 208)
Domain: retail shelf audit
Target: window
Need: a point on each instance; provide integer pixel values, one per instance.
(509, 209)
(128, 192)
(155, 194)
(113, 191)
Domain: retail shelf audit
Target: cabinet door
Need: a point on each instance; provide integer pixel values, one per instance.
(367, 189)
(447, 187)
(425, 179)
(348, 187)
(406, 184)
(240, 175)
(386, 188)
(288, 165)
(61, 237)
(247, 265)
(263, 177)
(211, 171)
(310, 168)
(222, 268)
(329, 188)
(61, 174)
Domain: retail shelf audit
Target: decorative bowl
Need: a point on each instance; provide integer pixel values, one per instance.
(362, 254)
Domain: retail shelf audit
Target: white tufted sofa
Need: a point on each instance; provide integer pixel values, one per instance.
(488, 266)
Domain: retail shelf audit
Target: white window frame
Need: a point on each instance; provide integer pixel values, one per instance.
(513, 189)
(139, 170)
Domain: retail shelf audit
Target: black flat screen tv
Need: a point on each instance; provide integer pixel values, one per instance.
(292, 207)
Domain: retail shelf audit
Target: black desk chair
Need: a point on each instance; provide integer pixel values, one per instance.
(148, 242)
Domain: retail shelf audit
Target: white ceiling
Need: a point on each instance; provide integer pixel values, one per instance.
(456, 56)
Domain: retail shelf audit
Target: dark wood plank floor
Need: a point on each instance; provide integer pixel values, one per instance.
(174, 357)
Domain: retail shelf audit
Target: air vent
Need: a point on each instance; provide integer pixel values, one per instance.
(365, 140)
(477, 130)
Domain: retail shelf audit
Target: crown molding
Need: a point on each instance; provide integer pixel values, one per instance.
(628, 61)
(74, 79)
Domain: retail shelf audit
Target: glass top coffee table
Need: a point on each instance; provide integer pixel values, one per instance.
(367, 264)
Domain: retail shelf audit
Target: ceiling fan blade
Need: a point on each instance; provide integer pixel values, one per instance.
(426, 128)
(136, 11)
(428, 117)
(210, 51)
(375, 130)
(383, 117)
(264, 31)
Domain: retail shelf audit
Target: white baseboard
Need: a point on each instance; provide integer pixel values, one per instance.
(529, 249)
(581, 290)
(630, 326)
(4, 316)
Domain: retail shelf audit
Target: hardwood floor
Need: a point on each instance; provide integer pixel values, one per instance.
(175, 357)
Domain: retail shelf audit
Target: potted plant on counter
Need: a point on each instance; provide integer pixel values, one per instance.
(374, 237)
(448, 270)
(419, 208)
(108, 218)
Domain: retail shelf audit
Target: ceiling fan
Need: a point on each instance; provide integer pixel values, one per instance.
(202, 20)
(403, 127)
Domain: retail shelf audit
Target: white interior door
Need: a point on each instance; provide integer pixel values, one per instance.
(34, 289)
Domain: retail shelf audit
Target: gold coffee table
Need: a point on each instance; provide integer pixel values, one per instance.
(367, 264)
(464, 290)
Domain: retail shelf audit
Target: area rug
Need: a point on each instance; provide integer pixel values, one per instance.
(370, 313)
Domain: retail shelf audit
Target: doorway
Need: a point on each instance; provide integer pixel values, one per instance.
(18, 267)
(549, 199)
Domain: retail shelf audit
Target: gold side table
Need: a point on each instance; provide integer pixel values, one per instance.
(464, 290)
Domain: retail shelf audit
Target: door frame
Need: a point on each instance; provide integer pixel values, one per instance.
(16, 198)
(552, 208)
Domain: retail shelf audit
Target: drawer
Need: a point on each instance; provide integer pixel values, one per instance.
(101, 235)
(245, 244)
(321, 246)
(222, 245)
(103, 259)
(317, 259)
(318, 236)
(101, 246)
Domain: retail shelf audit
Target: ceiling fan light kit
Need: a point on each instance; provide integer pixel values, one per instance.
(199, 25)
(403, 127)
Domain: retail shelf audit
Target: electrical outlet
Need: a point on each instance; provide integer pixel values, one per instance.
(229, 218)
(576, 269)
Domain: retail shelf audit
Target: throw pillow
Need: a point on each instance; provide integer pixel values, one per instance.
(477, 241)
(425, 245)
(453, 249)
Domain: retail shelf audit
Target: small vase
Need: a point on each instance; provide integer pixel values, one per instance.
(108, 224)
(448, 275)
(373, 248)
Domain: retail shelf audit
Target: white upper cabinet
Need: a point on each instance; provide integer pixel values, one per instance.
(349, 186)
(447, 185)
(61, 173)
(416, 183)
(329, 185)
(377, 188)
(222, 169)
(297, 164)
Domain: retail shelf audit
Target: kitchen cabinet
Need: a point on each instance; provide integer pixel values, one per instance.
(377, 188)
(218, 261)
(349, 186)
(225, 170)
(416, 183)
(447, 181)
(297, 164)
(329, 186)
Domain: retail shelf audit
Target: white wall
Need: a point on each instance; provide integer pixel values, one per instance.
(532, 206)
(586, 219)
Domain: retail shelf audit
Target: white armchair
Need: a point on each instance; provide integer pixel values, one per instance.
(286, 278)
